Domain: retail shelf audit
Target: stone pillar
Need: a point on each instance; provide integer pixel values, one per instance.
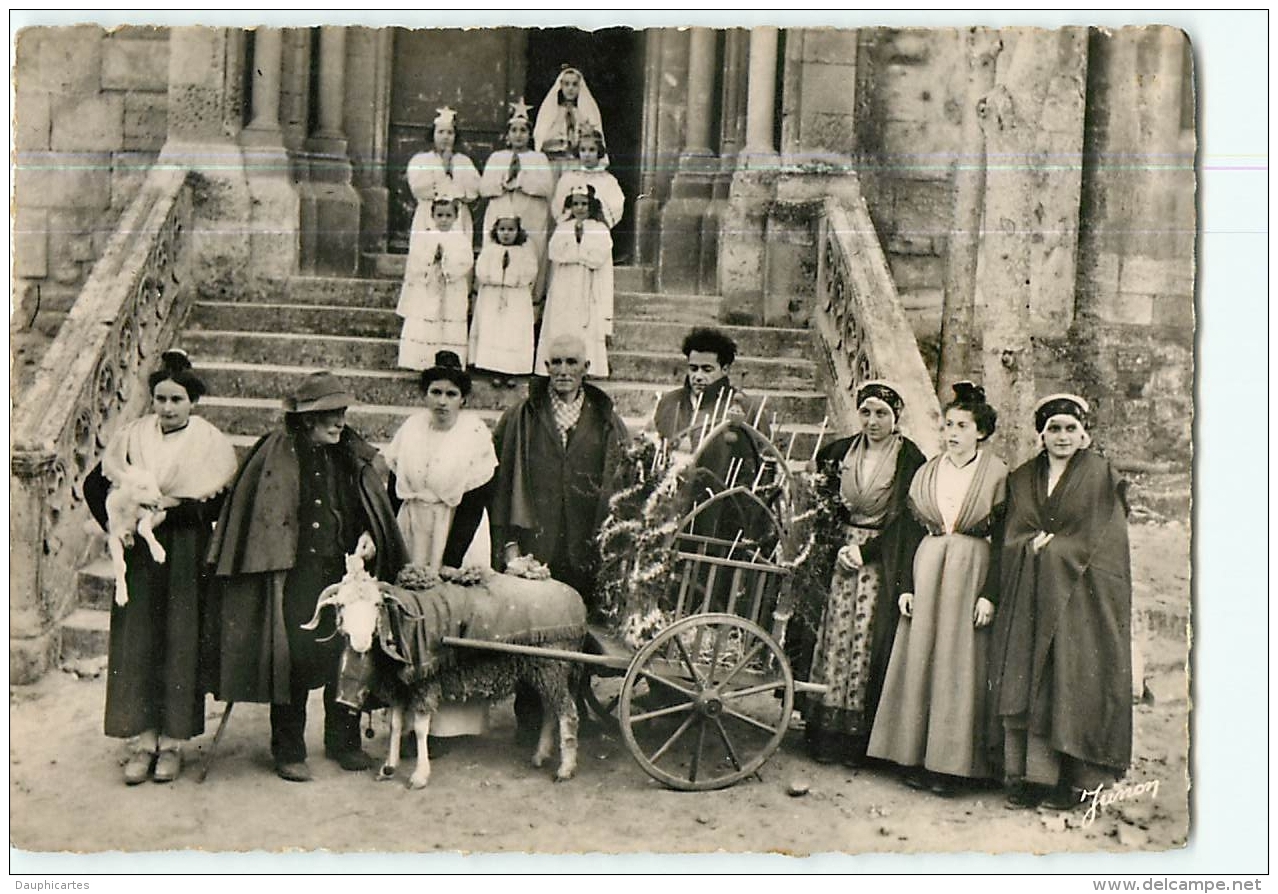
(731, 137)
(273, 225)
(330, 206)
(743, 245)
(760, 150)
(34, 641)
(204, 113)
(647, 206)
(367, 123)
(1025, 271)
(679, 262)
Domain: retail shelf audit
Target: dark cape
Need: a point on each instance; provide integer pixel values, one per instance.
(549, 498)
(253, 552)
(1061, 654)
(894, 548)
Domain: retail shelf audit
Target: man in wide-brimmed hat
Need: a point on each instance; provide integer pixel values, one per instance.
(302, 498)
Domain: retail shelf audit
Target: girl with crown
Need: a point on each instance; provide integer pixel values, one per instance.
(524, 177)
(442, 169)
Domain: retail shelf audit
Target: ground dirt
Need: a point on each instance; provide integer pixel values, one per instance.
(66, 793)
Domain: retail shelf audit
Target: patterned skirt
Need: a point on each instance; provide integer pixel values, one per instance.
(841, 659)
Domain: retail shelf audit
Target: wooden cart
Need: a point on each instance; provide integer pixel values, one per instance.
(706, 701)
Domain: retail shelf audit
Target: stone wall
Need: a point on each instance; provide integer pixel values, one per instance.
(90, 117)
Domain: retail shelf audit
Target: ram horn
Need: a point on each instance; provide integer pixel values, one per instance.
(326, 598)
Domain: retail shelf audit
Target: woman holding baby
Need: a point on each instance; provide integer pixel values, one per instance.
(154, 690)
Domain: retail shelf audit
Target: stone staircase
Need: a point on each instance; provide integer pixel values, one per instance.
(252, 348)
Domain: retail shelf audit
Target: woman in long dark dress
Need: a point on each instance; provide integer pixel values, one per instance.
(931, 716)
(867, 477)
(1061, 657)
(153, 661)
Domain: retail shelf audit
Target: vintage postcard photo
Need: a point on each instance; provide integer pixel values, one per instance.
(771, 439)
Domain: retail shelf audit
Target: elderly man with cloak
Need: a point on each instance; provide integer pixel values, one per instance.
(302, 498)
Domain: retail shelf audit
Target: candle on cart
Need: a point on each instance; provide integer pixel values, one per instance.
(714, 414)
(757, 476)
(820, 437)
(789, 448)
(734, 543)
(758, 415)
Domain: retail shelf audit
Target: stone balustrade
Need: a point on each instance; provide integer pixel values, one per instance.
(91, 380)
(862, 325)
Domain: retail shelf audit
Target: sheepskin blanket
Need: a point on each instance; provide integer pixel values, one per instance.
(503, 609)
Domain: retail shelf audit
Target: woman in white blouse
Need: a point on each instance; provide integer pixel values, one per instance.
(931, 717)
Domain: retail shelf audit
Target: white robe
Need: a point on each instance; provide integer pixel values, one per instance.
(427, 174)
(434, 298)
(579, 301)
(501, 332)
(611, 199)
(529, 200)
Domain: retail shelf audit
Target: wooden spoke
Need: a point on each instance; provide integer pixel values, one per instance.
(696, 755)
(727, 743)
(687, 660)
(758, 724)
(683, 728)
(752, 690)
(746, 659)
(661, 712)
(667, 683)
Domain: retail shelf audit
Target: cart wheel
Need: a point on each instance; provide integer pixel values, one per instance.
(719, 701)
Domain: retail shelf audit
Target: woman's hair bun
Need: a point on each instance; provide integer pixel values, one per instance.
(175, 360)
(968, 392)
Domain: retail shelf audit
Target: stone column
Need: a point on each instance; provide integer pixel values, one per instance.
(204, 112)
(330, 206)
(273, 225)
(760, 149)
(647, 206)
(731, 136)
(743, 246)
(679, 261)
(367, 125)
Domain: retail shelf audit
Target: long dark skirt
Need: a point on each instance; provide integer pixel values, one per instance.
(153, 663)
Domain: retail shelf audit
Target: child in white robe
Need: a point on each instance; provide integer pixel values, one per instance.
(442, 170)
(524, 177)
(501, 332)
(579, 301)
(434, 299)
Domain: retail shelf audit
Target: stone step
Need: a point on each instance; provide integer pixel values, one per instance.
(399, 388)
(362, 319)
(390, 265)
(752, 341)
(85, 633)
(350, 352)
(95, 584)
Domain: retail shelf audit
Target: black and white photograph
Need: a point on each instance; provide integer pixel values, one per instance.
(768, 436)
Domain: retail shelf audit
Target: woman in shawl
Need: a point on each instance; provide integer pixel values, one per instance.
(931, 716)
(442, 170)
(866, 478)
(153, 661)
(442, 463)
(1061, 656)
(568, 111)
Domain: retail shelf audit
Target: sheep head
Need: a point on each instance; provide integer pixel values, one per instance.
(356, 598)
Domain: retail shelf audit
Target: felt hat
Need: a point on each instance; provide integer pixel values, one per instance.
(319, 391)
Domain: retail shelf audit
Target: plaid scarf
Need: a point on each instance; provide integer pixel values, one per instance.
(566, 412)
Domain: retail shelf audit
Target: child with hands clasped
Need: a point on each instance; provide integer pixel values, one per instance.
(434, 298)
(579, 301)
(523, 176)
(501, 333)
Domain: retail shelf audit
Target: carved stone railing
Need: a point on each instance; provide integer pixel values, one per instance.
(91, 380)
(862, 324)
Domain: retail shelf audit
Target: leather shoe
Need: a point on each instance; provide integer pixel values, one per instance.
(138, 767)
(1023, 796)
(916, 778)
(353, 760)
(293, 771)
(168, 766)
(942, 785)
(1063, 797)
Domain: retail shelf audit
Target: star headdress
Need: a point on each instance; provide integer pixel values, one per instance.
(519, 110)
(445, 116)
